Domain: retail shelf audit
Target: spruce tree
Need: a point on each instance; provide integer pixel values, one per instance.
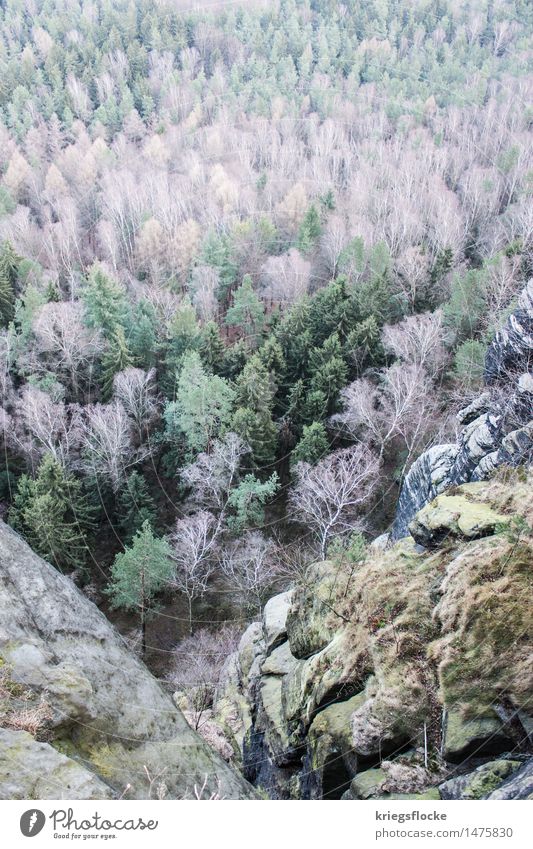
(135, 506)
(105, 302)
(313, 446)
(247, 312)
(117, 358)
(9, 263)
(310, 230)
(53, 515)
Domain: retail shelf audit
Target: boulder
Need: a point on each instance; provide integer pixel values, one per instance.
(512, 347)
(367, 784)
(330, 761)
(480, 783)
(274, 620)
(430, 474)
(518, 786)
(455, 516)
(33, 770)
(280, 662)
(251, 645)
(465, 737)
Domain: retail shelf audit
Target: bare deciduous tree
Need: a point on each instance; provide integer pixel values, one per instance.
(48, 427)
(64, 344)
(135, 389)
(401, 407)
(107, 442)
(212, 475)
(419, 340)
(251, 566)
(194, 542)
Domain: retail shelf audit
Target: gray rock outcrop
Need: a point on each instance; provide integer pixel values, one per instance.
(495, 429)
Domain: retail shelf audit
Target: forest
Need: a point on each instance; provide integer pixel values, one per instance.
(251, 259)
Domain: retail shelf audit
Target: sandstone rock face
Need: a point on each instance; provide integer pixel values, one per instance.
(32, 770)
(418, 647)
(495, 430)
(512, 349)
(104, 709)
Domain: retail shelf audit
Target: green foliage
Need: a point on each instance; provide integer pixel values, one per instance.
(515, 529)
(52, 513)
(212, 348)
(310, 230)
(469, 362)
(252, 420)
(363, 344)
(135, 506)
(352, 550)
(183, 336)
(313, 446)
(106, 306)
(329, 371)
(139, 573)
(203, 407)
(247, 312)
(257, 429)
(9, 264)
(248, 501)
(142, 335)
(465, 308)
(116, 358)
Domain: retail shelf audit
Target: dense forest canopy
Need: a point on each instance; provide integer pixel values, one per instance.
(251, 258)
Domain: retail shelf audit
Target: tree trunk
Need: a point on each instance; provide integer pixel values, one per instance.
(143, 615)
(190, 615)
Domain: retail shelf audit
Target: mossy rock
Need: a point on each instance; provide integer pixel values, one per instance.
(367, 784)
(464, 737)
(455, 516)
(431, 793)
(330, 747)
(33, 770)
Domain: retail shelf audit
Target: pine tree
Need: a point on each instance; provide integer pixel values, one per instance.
(212, 348)
(139, 573)
(183, 335)
(142, 335)
(248, 500)
(203, 406)
(329, 371)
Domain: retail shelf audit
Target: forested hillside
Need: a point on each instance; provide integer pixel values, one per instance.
(251, 259)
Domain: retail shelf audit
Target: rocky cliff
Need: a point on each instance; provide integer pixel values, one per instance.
(80, 716)
(407, 674)
(495, 429)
